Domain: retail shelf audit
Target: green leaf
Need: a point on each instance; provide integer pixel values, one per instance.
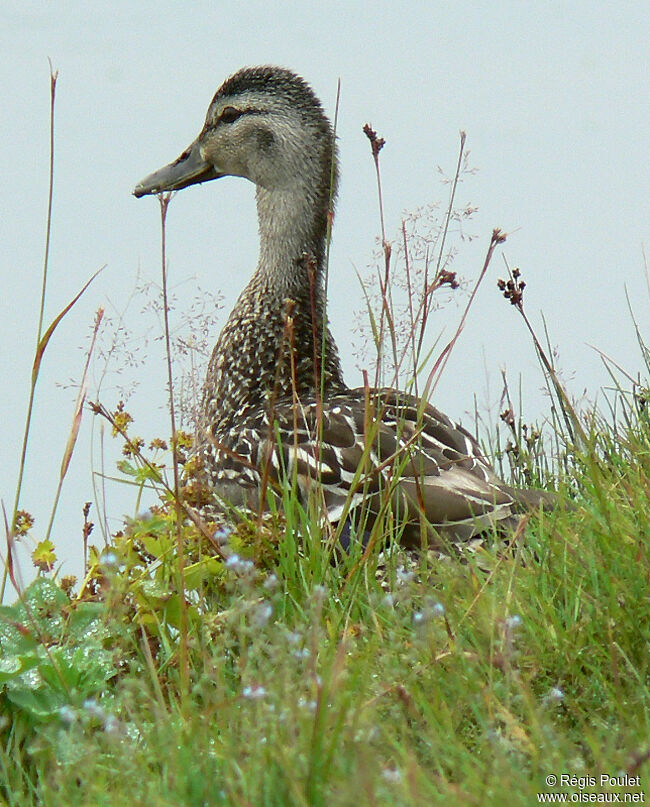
(158, 546)
(44, 556)
(13, 666)
(60, 676)
(86, 621)
(48, 333)
(40, 613)
(197, 573)
(127, 468)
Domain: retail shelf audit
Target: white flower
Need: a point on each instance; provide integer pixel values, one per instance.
(392, 775)
(112, 725)
(222, 536)
(254, 692)
(67, 715)
(93, 709)
(403, 576)
(262, 614)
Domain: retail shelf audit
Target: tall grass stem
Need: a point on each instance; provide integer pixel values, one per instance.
(54, 74)
(164, 199)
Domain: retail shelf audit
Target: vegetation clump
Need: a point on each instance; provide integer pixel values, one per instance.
(254, 661)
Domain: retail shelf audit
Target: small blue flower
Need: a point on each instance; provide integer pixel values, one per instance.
(68, 715)
(319, 593)
(403, 576)
(222, 536)
(110, 560)
(262, 614)
(93, 709)
(112, 725)
(254, 692)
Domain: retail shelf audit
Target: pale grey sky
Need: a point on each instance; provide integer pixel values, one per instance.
(555, 101)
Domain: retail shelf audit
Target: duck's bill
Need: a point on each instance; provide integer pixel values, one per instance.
(189, 169)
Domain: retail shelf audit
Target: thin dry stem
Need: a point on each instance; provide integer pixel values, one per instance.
(376, 145)
(48, 230)
(165, 199)
(513, 291)
(76, 423)
(434, 376)
(452, 196)
(328, 243)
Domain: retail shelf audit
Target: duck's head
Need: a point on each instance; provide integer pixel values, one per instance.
(264, 124)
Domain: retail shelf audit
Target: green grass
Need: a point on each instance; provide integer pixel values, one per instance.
(310, 684)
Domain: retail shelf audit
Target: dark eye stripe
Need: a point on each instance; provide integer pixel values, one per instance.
(229, 114)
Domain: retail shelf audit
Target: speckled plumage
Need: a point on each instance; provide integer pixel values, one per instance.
(273, 407)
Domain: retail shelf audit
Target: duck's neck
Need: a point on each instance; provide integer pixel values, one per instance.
(272, 344)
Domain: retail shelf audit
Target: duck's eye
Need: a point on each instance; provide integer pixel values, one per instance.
(229, 114)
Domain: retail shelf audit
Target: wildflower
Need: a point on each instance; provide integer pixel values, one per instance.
(555, 695)
(24, 522)
(184, 439)
(112, 724)
(376, 143)
(392, 775)
(222, 536)
(445, 278)
(133, 446)
(88, 525)
(404, 576)
(93, 709)
(68, 715)
(158, 443)
(271, 582)
(263, 614)
(303, 703)
(508, 417)
(439, 609)
(513, 622)
(44, 556)
(239, 565)
(513, 289)
(319, 593)
(254, 692)
(68, 582)
(121, 420)
(110, 560)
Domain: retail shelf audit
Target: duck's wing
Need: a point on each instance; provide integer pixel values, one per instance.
(367, 450)
(389, 449)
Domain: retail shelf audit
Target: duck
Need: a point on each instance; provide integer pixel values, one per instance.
(276, 409)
